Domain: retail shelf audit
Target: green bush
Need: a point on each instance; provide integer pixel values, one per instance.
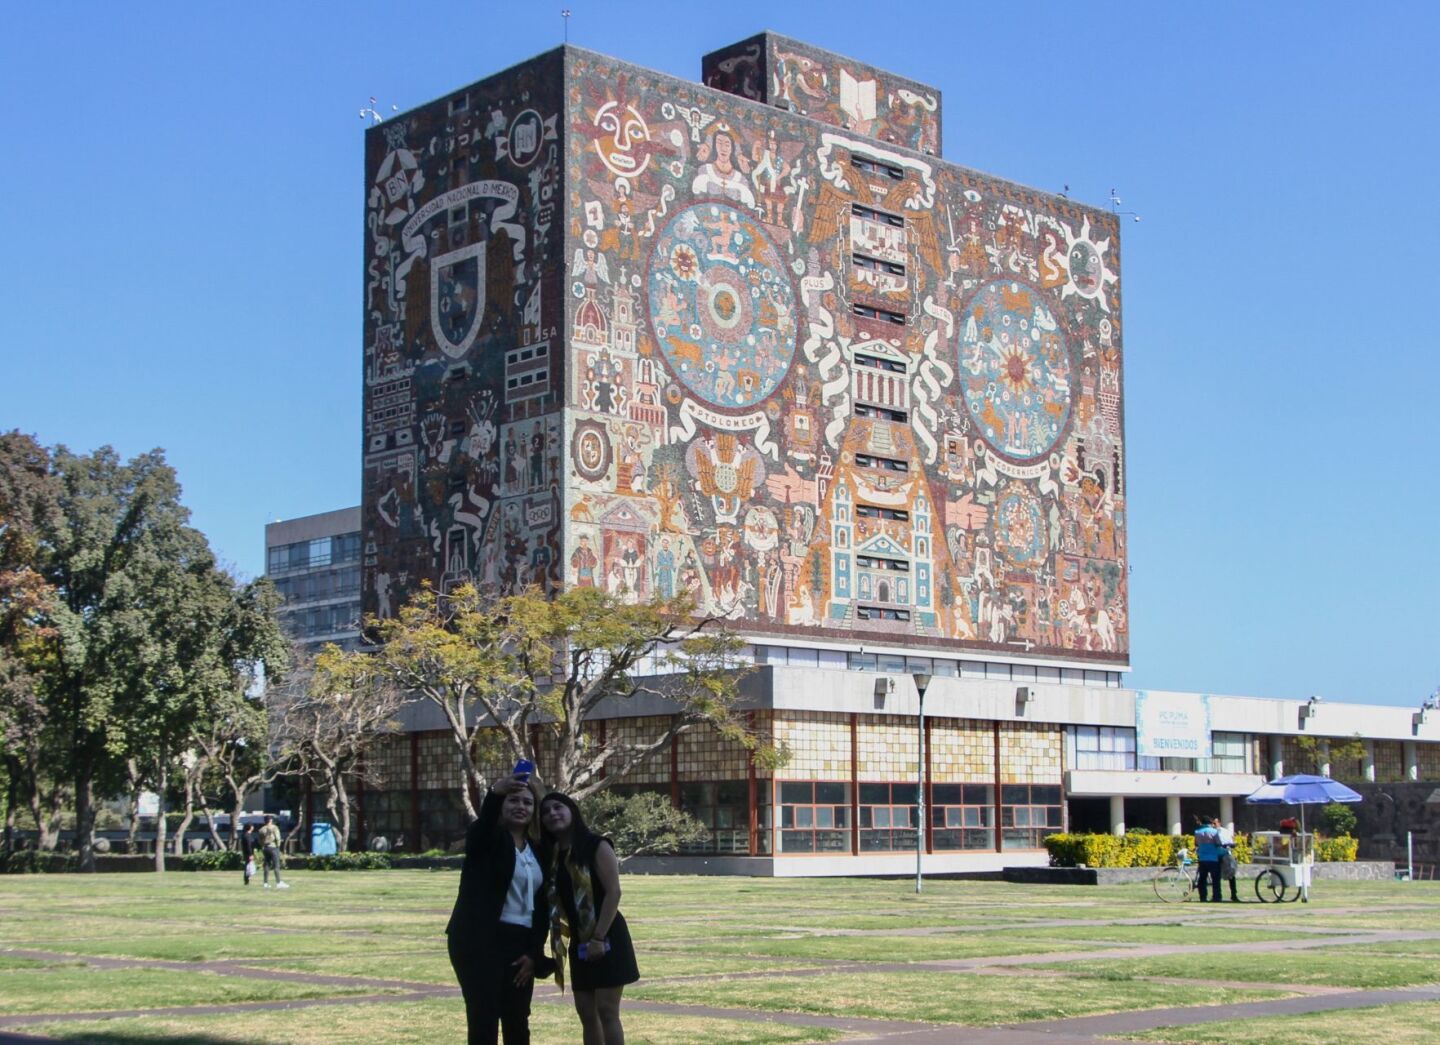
(1338, 819)
(36, 861)
(212, 860)
(340, 862)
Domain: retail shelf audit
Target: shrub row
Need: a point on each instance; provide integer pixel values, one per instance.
(226, 860)
(1157, 850)
(36, 861)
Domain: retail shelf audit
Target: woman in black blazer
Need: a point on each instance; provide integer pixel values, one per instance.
(497, 930)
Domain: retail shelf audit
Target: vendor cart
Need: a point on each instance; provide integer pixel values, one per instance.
(1293, 860)
(1284, 859)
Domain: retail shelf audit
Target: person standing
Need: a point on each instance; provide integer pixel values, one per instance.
(270, 847)
(584, 885)
(1208, 851)
(1228, 867)
(496, 934)
(247, 851)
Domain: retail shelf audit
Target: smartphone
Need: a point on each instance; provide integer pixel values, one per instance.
(523, 769)
(584, 949)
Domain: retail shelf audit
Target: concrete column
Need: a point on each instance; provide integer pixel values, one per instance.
(1117, 815)
(1172, 814)
(1322, 756)
(1369, 764)
(1277, 757)
(1227, 812)
(1412, 761)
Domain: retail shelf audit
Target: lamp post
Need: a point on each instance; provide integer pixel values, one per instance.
(922, 683)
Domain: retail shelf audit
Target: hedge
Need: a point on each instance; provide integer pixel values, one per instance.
(36, 861)
(212, 860)
(1158, 850)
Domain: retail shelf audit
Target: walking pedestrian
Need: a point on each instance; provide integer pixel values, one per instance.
(270, 846)
(247, 851)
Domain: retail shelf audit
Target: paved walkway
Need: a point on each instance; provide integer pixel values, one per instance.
(856, 1030)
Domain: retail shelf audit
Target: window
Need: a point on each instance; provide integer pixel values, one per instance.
(884, 413)
(871, 562)
(868, 511)
(877, 363)
(962, 816)
(877, 167)
(1229, 753)
(887, 817)
(886, 464)
(723, 808)
(860, 661)
(871, 312)
(1103, 747)
(814, 817)
(1028, 812)
(881, 613)
(865, 261)
(871, 214)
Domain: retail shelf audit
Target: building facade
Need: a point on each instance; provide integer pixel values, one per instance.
(753, 339)
(314, 563)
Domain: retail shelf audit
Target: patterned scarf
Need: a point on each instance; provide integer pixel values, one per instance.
(582, 890)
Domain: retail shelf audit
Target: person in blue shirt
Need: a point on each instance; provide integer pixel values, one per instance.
(1208, 851)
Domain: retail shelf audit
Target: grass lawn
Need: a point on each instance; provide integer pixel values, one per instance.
(1409, 1024)
(766, 947)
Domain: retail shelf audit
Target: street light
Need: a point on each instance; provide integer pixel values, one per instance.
(922, 683)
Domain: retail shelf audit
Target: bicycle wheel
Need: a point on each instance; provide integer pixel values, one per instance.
(1172, 885)
(1270, 886)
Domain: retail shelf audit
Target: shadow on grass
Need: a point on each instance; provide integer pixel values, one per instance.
(116, 1037)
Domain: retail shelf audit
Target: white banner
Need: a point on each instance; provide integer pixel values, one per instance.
(1172, 725)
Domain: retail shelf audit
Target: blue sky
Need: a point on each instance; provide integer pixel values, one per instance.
(183, 197)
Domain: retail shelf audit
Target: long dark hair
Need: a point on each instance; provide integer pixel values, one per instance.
(582, 840)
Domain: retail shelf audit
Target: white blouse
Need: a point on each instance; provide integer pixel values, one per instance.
(519, 906)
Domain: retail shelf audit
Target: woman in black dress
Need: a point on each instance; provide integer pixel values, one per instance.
(497, 931)
(583, 875)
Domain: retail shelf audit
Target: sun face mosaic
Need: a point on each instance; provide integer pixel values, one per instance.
(722, 307)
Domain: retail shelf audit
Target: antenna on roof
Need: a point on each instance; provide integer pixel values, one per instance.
(1115, 202)
(374, 113)
(565, 14)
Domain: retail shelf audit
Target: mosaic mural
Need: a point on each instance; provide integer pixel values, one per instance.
(844, 389)
(463, 442)
(830, 386)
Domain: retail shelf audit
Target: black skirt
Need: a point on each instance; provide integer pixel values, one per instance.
(616, 969)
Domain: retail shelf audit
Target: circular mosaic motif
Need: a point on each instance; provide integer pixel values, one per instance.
(1019, 527)
(722, 307)
(590, 450)
(1015, 369)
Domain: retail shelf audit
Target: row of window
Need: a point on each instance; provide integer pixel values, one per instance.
(882, 413)
(865, 261)
(877, 167)
(870, 511)
(1114, 748)
(815, 817)
(304, 555)
(314, 587)
(899, 664)
(321, 620)
(872, 312)
(887, 464)
(863, 612)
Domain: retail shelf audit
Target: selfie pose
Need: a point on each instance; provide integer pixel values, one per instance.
(497, 930)
(584, 885)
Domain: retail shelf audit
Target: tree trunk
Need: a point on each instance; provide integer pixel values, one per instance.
(161, 782)
(236, 811)
(337, 801)
(85, 814)
(44, 841)
(12, 799)
(185, 820)
(215, 839)
(132, 785)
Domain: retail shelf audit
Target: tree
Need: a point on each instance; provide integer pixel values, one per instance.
(498, 668)
(1338, 819)
(1344, 755)
(327, 717)
(30, 516)
(642, 823)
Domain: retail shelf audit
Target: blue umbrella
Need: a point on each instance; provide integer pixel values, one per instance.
(1302, 790)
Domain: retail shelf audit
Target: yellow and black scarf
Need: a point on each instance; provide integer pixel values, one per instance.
(563, 928)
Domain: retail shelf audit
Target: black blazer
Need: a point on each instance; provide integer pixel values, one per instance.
(484, 881)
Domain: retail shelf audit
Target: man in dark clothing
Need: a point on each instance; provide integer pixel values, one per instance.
(247, 850)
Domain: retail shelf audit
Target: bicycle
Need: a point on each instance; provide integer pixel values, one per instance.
(1175, 882)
